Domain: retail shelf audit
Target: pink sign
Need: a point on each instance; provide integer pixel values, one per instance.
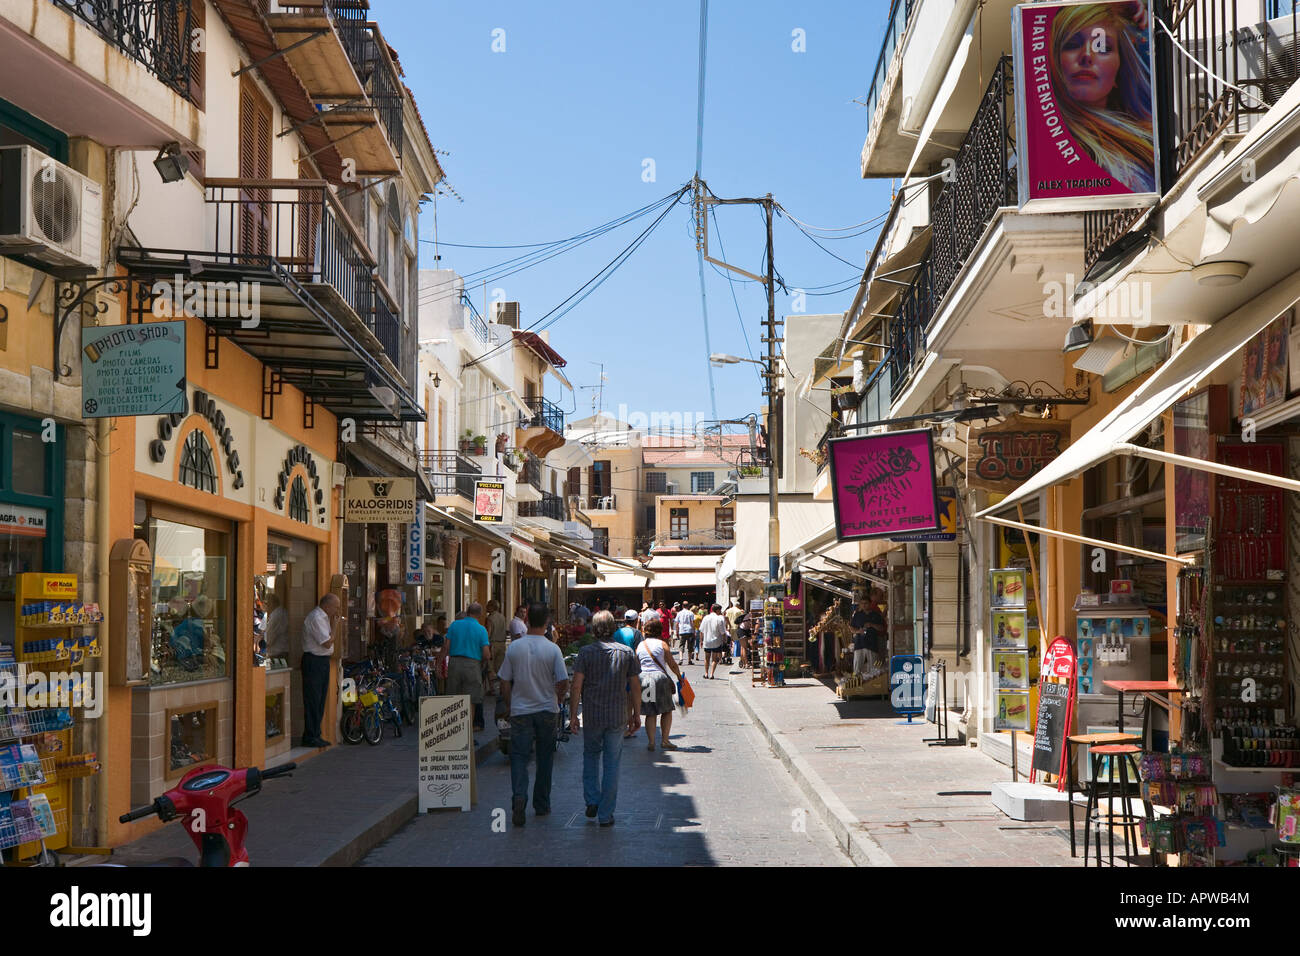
(884, 485)
(1084, 105)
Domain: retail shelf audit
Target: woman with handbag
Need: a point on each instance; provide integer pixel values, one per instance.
(657, 684)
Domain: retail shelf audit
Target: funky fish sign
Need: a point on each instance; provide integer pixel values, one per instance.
(884, 485)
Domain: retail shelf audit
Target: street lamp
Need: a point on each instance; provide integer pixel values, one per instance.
(719, 359)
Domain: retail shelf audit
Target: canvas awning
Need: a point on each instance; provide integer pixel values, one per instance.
(1196, 359)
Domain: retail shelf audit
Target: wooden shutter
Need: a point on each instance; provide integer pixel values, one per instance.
(197, 58)
(575, 481)
(254, 163)
(309, 211)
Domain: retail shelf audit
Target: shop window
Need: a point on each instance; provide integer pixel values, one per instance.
(656, 481)
(198, 468)
(191, 737)
(191, 600)
(298, 507)
(679, 526)
(701, 482)
(29, 461)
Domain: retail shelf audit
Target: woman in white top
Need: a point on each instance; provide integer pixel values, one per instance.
(657, 684)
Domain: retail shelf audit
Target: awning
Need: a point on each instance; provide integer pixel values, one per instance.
(571, 545)
(1196, 359)
(482, 531)
(375, 465)
(826, 585)
(684, 579)
(684, 562)
(525, 555)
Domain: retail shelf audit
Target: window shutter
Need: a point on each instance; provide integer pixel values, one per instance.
(197, 58)
(254, 163)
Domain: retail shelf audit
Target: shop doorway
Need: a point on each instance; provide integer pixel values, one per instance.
(290, 593)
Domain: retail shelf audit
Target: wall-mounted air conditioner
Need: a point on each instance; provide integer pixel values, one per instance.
(670, 487)
(506, 313)
(49, 212)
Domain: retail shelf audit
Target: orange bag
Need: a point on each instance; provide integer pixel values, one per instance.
(686, 694)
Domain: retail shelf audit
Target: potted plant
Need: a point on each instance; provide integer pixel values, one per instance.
(480, 445)
(467, 442)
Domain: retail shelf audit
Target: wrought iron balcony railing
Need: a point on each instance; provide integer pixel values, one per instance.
(983, 180)
(154, 33)
(545, 414)
(450, 473)
(299, 224)
(533, 471)
(551, 506)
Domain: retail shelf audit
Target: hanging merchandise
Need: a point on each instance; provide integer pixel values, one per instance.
(1181, 781)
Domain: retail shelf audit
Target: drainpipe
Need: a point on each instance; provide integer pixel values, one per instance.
(102, 530)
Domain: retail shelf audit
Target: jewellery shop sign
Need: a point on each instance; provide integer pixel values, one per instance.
(1003, 457)
(379, 500)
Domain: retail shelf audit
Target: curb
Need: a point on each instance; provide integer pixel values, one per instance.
(392, 817)
(847, 828)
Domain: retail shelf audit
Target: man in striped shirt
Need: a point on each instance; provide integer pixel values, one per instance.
(606, 681)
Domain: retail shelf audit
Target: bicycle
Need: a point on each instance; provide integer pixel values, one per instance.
(385, 709)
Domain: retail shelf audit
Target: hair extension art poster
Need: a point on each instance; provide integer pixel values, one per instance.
(1084, 105)
(883, 485)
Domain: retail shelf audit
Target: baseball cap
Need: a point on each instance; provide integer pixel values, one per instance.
(631, 615)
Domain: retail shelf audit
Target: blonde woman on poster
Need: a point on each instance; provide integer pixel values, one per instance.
(1104, 87)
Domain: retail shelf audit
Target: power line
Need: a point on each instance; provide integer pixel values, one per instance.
(813, 240)
(749, 349)
(699, 209)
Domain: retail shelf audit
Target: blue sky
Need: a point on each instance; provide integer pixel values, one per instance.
(549, 138)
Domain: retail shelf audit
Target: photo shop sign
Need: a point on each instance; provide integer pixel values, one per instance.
(1085, 113)
(884, 485)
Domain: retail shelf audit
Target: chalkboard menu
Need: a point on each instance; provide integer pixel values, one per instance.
(1049, 733)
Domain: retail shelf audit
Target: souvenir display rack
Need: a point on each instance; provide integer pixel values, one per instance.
(1181, 782)
(38, 761)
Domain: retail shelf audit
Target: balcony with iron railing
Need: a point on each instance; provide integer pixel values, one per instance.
(300, 225)
(879, 96)
(602, 502)
(551, 506)
(154, 33)
(982, 181)
(450, 473)
(1237, 69)
(545, 414)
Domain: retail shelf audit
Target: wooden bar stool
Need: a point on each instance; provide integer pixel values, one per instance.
(1072, 783)
(1126, 755)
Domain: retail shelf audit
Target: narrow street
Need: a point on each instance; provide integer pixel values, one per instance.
(723, 799)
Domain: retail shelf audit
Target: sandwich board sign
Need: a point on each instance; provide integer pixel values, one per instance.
(446, 769)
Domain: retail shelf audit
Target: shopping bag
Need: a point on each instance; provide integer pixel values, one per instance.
(685, 693)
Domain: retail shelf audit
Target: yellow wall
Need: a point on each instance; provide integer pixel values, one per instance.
(700, 520)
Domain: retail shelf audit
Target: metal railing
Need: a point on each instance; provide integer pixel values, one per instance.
(533, 471)
(1248, 67)
(450, 473)
(301, 225)
(545, 414)
(900, 11)
(983, 180)
(382, 86)
(476, 323)
(154, 33)
(575, 512)
(551, 506)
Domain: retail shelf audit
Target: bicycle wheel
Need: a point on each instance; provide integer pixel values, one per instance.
(393, 717)
(373, 726)
(350, 726)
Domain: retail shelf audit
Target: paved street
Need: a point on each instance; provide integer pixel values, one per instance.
(722, 800)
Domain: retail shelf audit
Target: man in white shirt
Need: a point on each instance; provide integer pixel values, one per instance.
(534, 681)
(648, 614)
(685, 624)
(713, 633)
(317, 648)
(517, 626)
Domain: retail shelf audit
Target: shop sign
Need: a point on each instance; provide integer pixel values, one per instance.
(395, 539)
(1085, 134)
(947, 520)
(205, 406)
(415, 549)
(907, 684)
(1012, 711)
(883, 485)
(52, 586)
(28, 523)
(378, 500)
(300, 455)
(1004, 457)
(446, 753)
(489, 501)
(133, 370)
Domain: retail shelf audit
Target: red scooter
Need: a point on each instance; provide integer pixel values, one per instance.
(205, 797)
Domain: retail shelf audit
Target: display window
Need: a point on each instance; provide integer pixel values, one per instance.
(191, 597)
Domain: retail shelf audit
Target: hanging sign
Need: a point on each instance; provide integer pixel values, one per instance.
(883, 485)
(907, 684)
(1003, 457)
(947, 520)
(378, 500)
(489, 501)
(132, 370)
(415, 548)
(446, 753)
(1085, 114)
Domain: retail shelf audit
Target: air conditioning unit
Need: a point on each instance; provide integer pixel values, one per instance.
(49, 212)
(1263, 57)
(670, 487)
(506, 313)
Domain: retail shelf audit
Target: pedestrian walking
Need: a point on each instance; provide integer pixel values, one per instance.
(713, 632)
(745, 639)
(648, 613)
(658, 669)
(498, 634)
(686, 632)
(629, 634)
(666, 619)
(602, 676)
(317, 648)
(533, 682)
(467, 640)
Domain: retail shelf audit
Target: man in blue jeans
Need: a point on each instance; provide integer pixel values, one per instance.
(533, 682)
(605, 681)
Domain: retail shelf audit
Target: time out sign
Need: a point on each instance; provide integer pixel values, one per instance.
(1004, 457)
